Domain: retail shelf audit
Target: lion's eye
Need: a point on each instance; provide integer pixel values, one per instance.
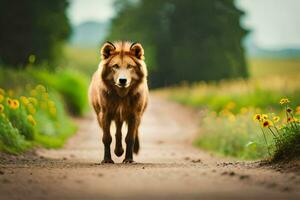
(116, 67)
(129, 67)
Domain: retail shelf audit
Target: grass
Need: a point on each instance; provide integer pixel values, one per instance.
(227, 127)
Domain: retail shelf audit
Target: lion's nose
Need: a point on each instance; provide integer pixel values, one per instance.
(122, 81)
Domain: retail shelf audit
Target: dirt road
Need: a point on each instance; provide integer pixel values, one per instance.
(168, 167)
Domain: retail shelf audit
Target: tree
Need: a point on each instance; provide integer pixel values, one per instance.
(32, 28)
(184, 40)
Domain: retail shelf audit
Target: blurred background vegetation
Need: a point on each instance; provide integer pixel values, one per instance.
(199, 53)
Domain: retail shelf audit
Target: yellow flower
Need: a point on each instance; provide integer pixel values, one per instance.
(24, 100)
(230, 105)
(1, 108)
(257, 117)
(9, 101)
(289, 110)
(244, 110)
(31, 120)
(33, 100)
(33, 93)
(290, 119)
(284, 101)
(1, 98)
(276, 119)
(31, 109)
(2, 91)
(264, 116)
(14, 104)
(298, 110)
(51, 104)
(40, 88)
(52, 111)
(267, 123)
(46, 96)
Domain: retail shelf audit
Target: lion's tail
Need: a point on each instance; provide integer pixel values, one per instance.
(136, 146)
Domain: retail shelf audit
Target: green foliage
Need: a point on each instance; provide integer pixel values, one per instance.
(11, 140)
(184, 40)
(288, 145)
(32, 29)
(35, 118)
(71, 85)
(232, 135)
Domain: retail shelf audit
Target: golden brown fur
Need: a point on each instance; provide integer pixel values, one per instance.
(119, 92)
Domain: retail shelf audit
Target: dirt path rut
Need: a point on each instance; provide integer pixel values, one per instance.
(168, 167)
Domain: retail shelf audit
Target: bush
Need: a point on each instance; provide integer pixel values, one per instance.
(71, 85)
(34, 117)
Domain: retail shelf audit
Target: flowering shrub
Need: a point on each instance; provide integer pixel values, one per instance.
(35, 118)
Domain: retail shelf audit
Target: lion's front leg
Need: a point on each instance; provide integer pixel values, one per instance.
(106, 138)
(133, 123)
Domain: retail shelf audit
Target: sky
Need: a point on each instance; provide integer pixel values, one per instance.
(275, 24)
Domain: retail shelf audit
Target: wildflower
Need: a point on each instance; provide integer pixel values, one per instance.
(51, 104)
(257, 117)
(24, 100)
(264, 116)
(9, 101)
(290, 120)
(1, 108)
(284, 101)
(267, 123)
(46, 96)
(231, 105)
(52, 111)
(289, 110)
(244, 110)
(33, 93)
(231, 118)
(40, 88)
(2, 91)
(31, 120)
(1, 98)
(276, 119)
(33, 100)
(298, 110)
(31, 109)
(14, 104)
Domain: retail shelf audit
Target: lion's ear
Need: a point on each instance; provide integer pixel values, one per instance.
(107, 49)
(137, 50)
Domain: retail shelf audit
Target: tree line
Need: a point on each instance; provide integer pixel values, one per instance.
(184, 40)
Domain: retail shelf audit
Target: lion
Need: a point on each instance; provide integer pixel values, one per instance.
(119, 92)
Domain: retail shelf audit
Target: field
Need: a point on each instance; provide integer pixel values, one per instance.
(227, 107)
